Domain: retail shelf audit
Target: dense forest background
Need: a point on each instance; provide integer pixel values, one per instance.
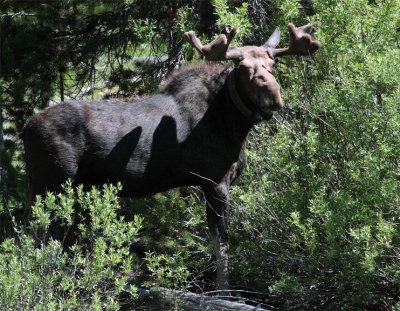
(315, 218)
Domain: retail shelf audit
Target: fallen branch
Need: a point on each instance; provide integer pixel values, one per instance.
(162, 298)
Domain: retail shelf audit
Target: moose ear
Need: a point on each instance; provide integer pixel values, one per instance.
(273, 41)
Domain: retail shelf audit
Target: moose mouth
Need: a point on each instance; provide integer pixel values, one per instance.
(268, 110)
(267, 115)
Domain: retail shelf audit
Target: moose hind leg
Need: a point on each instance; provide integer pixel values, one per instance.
(217, 197)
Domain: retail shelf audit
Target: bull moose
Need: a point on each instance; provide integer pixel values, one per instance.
(192, 132)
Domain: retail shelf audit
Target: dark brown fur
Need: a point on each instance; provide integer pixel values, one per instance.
(189, 133)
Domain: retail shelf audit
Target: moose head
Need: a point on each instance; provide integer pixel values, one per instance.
(255, 66)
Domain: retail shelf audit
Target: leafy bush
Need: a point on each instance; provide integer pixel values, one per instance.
(238, 18)
(174, 240)
(168, 271)
(318, 207)
(39, 273)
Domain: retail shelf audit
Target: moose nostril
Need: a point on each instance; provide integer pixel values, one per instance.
(278, 103)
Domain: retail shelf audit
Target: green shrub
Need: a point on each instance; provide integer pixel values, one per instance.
(175, 237)
(320, 199)
(238, 18)
(168, 271)
(39, 273)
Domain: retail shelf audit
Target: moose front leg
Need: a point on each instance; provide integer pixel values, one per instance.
(217, 197)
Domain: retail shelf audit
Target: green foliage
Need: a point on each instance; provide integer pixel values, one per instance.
(39, 273)
(322, 194)
(168, 271)
(238, 18)
(187, 21)
(290, 10)
(175, 236)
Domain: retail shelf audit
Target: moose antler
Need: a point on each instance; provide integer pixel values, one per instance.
(217, 49)
(302, 42)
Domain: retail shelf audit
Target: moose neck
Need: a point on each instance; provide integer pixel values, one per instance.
(236, 121)
(245, 107)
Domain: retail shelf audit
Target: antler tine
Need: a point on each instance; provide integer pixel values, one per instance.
(215, 50)
(191, 37)
(302, 41)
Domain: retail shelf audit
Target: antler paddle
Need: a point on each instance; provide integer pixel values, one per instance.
(218, 48)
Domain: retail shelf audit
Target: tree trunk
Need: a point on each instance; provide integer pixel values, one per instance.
(3, 184)
(1, 137)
